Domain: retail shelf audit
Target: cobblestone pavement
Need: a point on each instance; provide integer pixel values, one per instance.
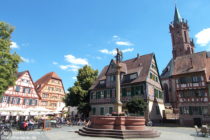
(68, 133)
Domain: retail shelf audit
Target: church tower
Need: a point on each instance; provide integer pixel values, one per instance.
(181, 42)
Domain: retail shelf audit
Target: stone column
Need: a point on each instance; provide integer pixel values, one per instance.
(118, 103)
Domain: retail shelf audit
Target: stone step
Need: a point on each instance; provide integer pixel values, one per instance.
(148, 133)
(120, 136)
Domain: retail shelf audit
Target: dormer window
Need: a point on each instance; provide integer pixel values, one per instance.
(133, 76)
(102, 82)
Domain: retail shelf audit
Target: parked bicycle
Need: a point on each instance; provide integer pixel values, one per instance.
(5, 131)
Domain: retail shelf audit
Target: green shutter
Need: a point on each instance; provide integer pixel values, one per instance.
(110, 110)
(101, 111)
(18, 102)
(110, 93)
(124, 92)
(132, 91)
(190, 110)
(200, 110)
(105, 94)
(24, 101)
(30, 102)
(94, 111)
(181, 110)
(137, 90)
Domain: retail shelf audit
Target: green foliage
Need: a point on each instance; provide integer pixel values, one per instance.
(84, 108)
(8, 61)
(137, 106)
(78, 94)
(75, 96)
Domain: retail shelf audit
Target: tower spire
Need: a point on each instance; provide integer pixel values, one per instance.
(177, 17)
(181, 42)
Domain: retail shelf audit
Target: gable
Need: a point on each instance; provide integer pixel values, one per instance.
(111, 68)
(25, 86)
(153, 74)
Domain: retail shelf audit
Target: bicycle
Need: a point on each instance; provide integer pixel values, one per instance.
(5, 131)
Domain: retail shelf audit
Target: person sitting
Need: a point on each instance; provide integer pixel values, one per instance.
(88, 124)
(25, 125)
(69, 123)
(31, 124)
(79, 122)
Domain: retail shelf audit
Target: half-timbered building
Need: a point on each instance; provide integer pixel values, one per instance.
(139, 79)
(186, 78)
(51, 91)
(20, 96)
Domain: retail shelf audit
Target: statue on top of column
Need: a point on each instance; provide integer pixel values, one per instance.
(119, 55)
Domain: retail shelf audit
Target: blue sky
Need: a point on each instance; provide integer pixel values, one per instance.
(64, 35)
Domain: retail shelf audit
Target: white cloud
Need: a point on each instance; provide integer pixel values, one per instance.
(114, 52)
(123, 43)
(27, 60)
(63, 67)
(73, 63)
(14, 45)
(115, 37)
(69, 67)
(55, 63)
(73, 60)
(75, 78)
(203, 37)
(128, 50)
(106, 51)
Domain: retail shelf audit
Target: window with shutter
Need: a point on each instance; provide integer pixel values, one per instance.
(17, 89)
(30, 101)
(8, 99)
(12, 100)
(102, 111)
(137, 90)
(35, 102)
(24, 101)
(18, 102)
(5, 98)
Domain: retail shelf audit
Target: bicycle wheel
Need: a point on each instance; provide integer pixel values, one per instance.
(7, 132)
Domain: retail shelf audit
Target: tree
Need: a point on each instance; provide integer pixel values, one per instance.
(137, 106)
(78, 94)
(8, 61)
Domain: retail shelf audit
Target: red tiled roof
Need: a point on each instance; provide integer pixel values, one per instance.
(44, 80)
(140, 65)
(192, 63)
(195, 62)
(19, 74)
